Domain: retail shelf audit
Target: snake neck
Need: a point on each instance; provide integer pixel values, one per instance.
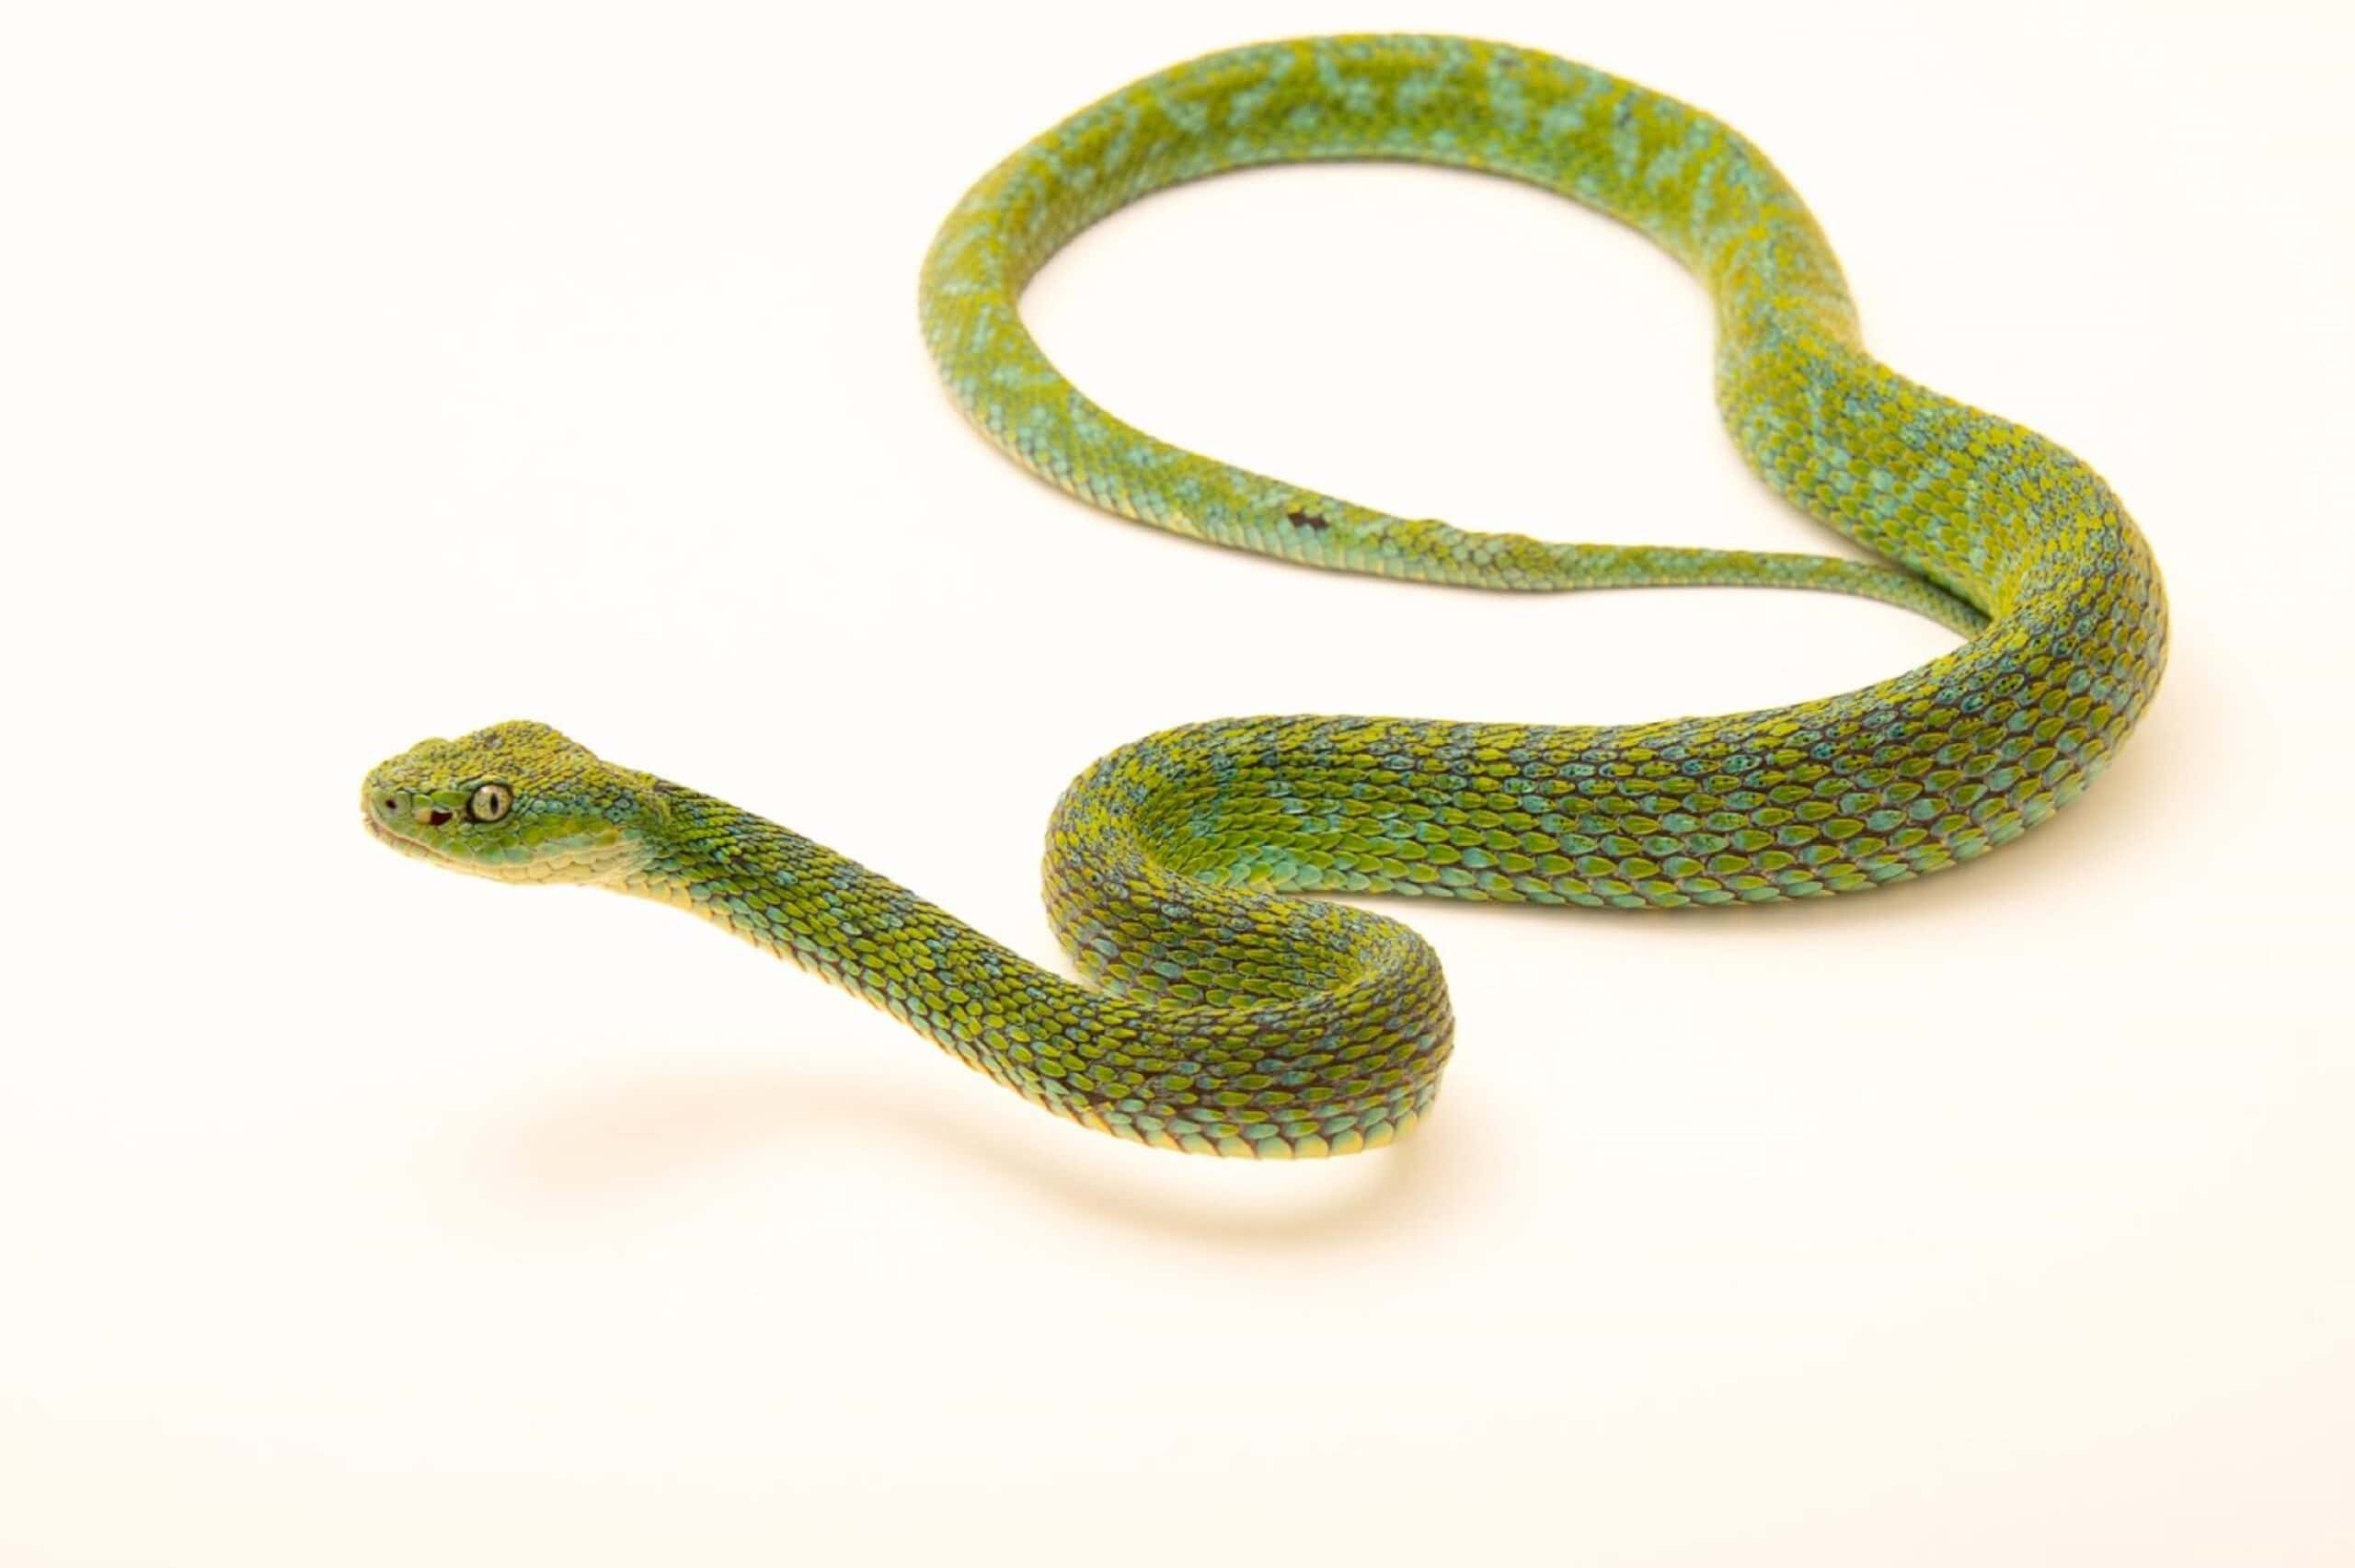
(1253, 1024)
(817, 909)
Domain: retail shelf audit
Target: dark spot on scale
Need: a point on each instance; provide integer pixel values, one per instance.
(436, 817)
(1306, 520)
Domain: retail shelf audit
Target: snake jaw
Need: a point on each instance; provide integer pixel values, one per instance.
(384, 835)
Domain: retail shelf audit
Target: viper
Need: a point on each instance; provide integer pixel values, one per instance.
(1218, 1011)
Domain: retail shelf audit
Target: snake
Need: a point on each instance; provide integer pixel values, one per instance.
(1208, 1005)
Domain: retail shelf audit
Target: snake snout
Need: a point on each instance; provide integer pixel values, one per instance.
(390, 812)
(398, 812)
(391, 806)
(385, 803)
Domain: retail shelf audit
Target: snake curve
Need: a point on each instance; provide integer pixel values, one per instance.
(1216, 1012)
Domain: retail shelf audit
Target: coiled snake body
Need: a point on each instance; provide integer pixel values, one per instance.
(1225, 1016)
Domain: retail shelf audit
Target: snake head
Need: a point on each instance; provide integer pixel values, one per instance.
(517, 802)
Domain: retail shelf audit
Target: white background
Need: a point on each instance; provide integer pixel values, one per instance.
(371, 374)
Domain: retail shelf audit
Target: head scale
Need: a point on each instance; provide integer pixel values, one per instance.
(518, 802)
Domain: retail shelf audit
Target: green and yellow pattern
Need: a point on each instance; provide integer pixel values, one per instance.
(1221, 1014)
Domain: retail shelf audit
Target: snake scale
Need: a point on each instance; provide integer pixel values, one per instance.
(1219, 1014)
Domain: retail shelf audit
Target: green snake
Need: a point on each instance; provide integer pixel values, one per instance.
(1214, 1013)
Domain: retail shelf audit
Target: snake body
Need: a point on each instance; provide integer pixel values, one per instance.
(1215, 1012)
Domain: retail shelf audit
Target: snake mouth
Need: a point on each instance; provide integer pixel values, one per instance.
(407, 846)
(416, 849)
(563, 862)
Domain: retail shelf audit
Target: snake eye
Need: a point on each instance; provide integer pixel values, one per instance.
(490, 802)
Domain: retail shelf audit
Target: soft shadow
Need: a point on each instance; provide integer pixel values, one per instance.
(631, 1135)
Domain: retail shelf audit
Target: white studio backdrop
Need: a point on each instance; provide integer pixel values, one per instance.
(370, 375)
